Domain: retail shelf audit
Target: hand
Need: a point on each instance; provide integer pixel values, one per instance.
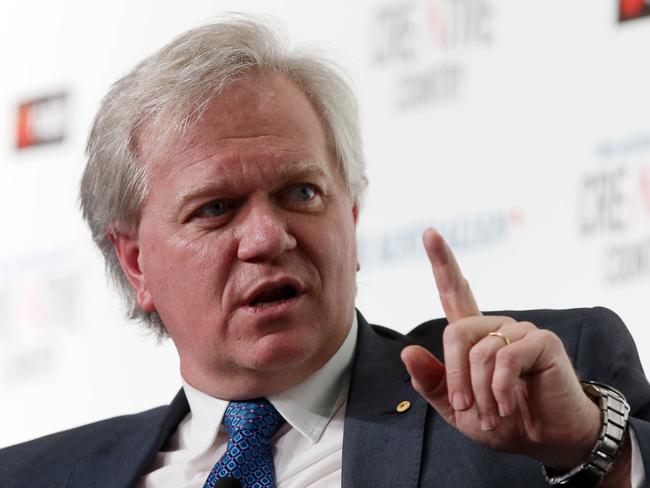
(522, 397)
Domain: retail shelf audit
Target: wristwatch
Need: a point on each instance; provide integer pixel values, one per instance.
(614, 413)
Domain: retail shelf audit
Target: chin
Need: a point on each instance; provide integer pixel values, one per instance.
(276, 352)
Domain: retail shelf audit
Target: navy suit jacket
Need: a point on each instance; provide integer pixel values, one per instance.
(381, 447)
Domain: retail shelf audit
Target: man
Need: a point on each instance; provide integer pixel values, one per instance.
(223, 187)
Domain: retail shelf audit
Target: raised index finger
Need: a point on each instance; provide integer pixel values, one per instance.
(455, 294)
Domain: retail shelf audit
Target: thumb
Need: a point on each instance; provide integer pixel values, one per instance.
(428, 378)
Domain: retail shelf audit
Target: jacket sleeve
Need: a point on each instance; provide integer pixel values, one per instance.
(606, 352)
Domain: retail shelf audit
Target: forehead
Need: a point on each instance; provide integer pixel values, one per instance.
(257, 118)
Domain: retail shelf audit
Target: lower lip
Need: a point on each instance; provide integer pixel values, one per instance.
(276, 310)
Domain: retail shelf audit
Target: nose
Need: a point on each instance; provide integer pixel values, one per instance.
(263, 234)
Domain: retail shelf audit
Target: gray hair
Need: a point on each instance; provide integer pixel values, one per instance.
(177, 84)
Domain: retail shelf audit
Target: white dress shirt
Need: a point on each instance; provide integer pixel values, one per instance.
(307, 450)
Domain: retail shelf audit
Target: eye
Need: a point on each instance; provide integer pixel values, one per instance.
(213, 209)
(303, 192)
(301, 197)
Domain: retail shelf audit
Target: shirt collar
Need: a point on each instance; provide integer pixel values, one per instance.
(307, 407)
(311, 404)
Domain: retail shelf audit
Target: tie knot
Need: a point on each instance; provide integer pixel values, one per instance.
(257, 417)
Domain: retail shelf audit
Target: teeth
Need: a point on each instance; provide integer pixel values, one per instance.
(267, 304)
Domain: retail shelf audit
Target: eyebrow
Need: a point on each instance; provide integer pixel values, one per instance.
(290, 172)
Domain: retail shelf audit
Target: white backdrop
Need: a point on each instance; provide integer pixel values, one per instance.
(519, 129)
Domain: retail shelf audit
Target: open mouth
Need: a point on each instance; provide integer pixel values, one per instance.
(273, 296)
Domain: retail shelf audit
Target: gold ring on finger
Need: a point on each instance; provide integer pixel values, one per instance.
(501, 336)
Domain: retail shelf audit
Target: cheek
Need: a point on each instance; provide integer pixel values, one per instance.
(348, 234)
(187, 276)
(340, 250)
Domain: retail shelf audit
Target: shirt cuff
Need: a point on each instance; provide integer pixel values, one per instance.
(638, 471)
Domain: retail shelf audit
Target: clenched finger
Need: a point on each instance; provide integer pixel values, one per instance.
(537, 351)
(458, 338)
(482, 359)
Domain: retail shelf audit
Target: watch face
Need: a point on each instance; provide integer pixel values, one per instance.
(592, 390)
(597, 390)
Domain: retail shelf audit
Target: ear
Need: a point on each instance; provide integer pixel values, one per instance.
(355, 216)
(128, 253)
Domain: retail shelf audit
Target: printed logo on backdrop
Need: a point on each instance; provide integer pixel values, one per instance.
(468, 233)
(614, 209)
(419, 46)
(40, 303)
(633, 9)
(41, 121)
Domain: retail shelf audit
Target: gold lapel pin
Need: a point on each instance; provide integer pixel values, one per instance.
(403, 406)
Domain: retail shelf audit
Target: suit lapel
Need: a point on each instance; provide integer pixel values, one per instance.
(122, 458)
(381, 446)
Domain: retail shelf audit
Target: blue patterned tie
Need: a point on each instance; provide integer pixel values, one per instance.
(248, 457)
